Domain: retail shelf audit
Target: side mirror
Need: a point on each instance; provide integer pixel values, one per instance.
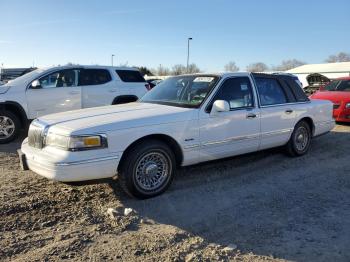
(220, 106)
(36, 84)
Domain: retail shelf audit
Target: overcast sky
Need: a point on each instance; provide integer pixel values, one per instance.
(149, 33)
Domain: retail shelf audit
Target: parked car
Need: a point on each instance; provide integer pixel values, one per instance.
(153, 82)
(338, 92)
(316, 82)
(183, 121)
(58, 89)
(8, 74)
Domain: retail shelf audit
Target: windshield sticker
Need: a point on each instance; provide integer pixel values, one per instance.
(203, 79)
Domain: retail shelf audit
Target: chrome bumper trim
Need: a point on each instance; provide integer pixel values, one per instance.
(232, 140)
(88, 161)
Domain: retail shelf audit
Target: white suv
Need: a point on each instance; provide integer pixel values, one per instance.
(57, 89)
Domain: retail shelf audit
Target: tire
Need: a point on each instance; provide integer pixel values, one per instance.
(151, 159)
(300, 140)
(8, 120)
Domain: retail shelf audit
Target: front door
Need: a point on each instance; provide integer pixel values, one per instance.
(235, 132)
(57, 92)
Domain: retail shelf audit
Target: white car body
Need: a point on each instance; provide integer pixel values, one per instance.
(30, 103)
(198, 135)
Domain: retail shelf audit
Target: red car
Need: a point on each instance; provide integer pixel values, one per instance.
(338, 92)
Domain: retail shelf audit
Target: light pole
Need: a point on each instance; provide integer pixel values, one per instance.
(188, 51)
(112, 58)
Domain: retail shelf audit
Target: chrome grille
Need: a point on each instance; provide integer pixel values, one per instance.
(36, 135)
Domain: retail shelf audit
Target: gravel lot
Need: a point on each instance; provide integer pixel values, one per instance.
(270, 206)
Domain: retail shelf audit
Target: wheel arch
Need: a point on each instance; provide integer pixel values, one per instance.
(309, 121)
(123, 99)
(171, 142)
(17, 109)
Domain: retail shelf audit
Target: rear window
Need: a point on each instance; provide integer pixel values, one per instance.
(90, 77)
(270, 91)
(130, 76)
(296, 89)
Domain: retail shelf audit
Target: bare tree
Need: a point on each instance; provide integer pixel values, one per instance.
(340, 57)
(193, 68)
(178, 69)
(257, 67)
(161, 71)
(231, 67)
(175, 70)
(289, 64)
(144, 70)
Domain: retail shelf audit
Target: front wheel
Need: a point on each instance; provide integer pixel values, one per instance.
(300, 140)
(148, 169)
(9, 126)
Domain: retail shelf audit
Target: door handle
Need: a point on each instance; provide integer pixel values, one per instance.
(289, 111)
(74, 92)
(112, 90)
(251, 115)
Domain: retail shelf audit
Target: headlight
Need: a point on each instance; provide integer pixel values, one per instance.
(57, 141)
(76, 143)
(347, 105)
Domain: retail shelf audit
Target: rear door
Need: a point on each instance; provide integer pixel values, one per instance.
(131, 82)
(98, 87)
(58, 92)
(277, 108)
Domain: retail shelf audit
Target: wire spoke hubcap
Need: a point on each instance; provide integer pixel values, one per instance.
(7, 127)
(151, 171)
(301, 138)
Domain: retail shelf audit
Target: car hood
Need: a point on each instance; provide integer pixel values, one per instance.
(115, 117)
(334, 96)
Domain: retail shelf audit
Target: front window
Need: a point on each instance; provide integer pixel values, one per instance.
(237, 92)
(338, 85)
(63, 78)
(185, 91)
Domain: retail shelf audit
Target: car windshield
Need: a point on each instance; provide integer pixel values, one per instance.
(26, 77)
(184, 91)
(339, 85)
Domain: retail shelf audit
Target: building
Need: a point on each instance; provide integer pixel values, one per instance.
(7, 74)
(317, 74)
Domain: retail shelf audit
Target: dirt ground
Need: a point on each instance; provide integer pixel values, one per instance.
(270, 206)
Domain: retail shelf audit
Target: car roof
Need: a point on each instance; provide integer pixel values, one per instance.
(219, 74)
(90, 67)
(230, 74)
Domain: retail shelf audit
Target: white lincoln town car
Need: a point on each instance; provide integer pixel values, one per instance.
(183, 121)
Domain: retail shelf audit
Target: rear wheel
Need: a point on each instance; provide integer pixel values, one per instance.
(148, 169)
(299, 142)
(9, 126)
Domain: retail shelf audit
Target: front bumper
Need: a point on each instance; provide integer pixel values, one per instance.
(341, 115)
(67, 171)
